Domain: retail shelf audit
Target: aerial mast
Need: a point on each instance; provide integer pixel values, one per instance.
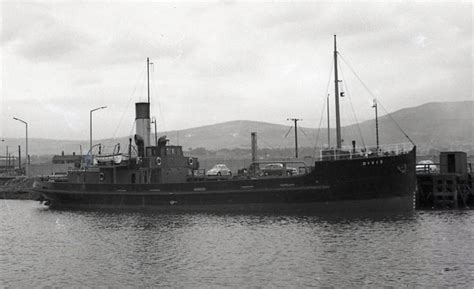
(336, 88)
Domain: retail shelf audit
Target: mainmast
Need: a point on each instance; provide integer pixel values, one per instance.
(336, 88)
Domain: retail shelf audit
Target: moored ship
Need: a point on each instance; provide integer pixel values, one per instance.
(160, 176)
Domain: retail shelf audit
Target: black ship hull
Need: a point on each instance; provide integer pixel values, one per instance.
(375, 183)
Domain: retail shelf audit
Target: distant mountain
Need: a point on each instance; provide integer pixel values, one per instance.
(440, 125)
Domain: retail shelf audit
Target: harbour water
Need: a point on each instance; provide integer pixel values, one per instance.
(41, 247)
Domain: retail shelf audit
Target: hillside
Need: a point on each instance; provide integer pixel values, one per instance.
(445, 125)
(441, 125)
(433, 125)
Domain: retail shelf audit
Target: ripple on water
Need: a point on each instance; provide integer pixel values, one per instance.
(41, 247)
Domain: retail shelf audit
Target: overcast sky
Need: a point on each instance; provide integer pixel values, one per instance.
(222, 61)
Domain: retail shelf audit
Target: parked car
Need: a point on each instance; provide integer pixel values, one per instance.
(426, 166)
(273, 170)
(219, 170)
(277, 169)
(291, 171)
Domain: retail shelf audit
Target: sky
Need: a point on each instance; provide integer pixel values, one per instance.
(222, 61)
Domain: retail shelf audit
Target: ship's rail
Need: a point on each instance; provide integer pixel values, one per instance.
(349, 152)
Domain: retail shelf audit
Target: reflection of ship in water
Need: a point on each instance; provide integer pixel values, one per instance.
(160, 175)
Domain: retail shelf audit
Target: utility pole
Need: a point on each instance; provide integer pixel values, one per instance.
(19, 158)
(26, 154)
(90, 124)
(295, 120)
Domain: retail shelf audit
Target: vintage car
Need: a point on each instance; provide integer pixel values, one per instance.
(277, 169)
(219, 170)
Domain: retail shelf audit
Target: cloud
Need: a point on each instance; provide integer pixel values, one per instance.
(33, 31)
(133, 47)
(51, 44)
(17, 19)
(87, 80)
(229, 60)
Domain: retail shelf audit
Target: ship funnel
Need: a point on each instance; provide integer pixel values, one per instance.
(142, 118)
